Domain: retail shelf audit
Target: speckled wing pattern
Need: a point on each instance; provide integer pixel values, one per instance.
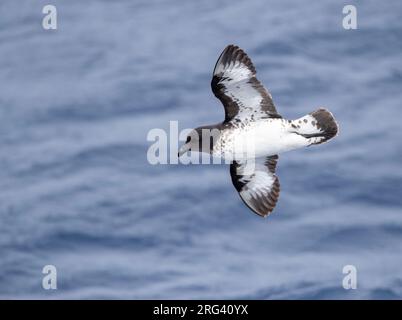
(235, 84)
(258, 186)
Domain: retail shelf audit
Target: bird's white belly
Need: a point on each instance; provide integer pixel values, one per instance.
(258, 139)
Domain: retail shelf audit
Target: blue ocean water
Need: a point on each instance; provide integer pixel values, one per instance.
(77, 191)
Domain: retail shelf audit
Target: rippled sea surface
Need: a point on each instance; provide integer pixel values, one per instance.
(77, 191)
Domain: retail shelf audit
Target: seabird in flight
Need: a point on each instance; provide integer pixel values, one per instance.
(252, 123)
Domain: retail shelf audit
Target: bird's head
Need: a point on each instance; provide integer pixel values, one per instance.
(193, 142)
(201, 139)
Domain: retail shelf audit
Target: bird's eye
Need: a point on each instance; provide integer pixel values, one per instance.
(188, 139)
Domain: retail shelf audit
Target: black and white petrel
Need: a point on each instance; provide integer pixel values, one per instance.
(252, 122)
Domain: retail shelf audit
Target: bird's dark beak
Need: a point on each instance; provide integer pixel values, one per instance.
(183, 149)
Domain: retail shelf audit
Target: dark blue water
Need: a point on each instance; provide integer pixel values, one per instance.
(77, 191)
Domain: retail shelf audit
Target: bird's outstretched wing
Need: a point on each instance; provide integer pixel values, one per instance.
(257, 184)
(234, 83)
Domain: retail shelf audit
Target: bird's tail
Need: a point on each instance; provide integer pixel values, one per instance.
(318, 126)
